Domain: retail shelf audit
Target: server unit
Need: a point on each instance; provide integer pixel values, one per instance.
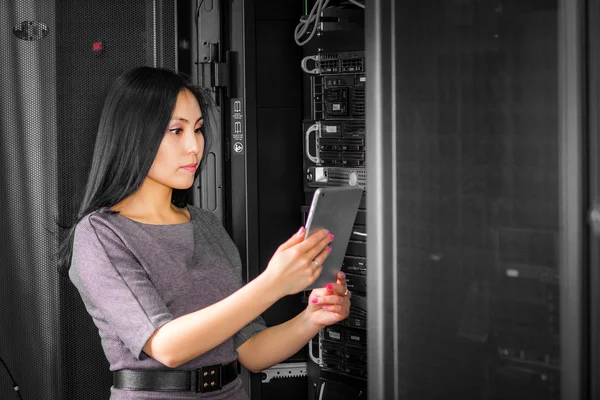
(335, 155)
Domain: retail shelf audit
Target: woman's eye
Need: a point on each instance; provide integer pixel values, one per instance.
(176, 131)
(199, 130)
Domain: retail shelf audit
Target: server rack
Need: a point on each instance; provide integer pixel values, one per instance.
(334, 134)
(262, 98)
(454, 323)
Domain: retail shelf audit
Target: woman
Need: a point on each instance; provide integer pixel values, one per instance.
(162, 279)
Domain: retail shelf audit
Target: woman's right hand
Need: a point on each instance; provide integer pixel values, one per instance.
(293, 268)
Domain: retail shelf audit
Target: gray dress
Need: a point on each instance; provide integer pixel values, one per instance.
(135, 277)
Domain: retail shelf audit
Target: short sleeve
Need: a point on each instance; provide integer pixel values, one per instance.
(115, 288)
(253, 328)
(232, 253)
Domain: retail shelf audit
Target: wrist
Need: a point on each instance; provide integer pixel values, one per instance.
(308, 322)
(267, 287)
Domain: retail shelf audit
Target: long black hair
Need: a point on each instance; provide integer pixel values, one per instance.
(134, 119)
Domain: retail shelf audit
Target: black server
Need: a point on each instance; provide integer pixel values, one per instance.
(334, 133)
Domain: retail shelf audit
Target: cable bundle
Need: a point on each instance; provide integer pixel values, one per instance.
(306, 21)
(313, 19)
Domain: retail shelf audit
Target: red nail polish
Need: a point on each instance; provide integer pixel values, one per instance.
(315, 300)
(329, 286)
(331, 236)
(329, 249)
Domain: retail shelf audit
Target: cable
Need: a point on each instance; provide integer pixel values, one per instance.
(14, 383)
(306, 21)
(314, 18)
(356, 3)
(200, 2)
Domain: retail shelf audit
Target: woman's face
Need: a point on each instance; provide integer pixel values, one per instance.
(181, 148)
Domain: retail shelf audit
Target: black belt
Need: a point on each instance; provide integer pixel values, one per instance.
(205, 379)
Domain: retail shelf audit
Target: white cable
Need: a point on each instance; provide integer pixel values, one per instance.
(356, 3)
(306, 21)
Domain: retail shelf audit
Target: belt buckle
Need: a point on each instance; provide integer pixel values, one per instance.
(209, 379)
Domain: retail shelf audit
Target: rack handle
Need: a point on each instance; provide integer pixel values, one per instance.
(313, 128)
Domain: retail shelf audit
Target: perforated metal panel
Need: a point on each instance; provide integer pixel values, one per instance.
(55, 69)
(28, 290)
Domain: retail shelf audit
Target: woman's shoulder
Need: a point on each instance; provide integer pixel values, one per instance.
(93, 234)
(96, 224)
(202, 215)
(102, 215)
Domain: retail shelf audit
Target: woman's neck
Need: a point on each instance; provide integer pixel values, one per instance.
(151, 204)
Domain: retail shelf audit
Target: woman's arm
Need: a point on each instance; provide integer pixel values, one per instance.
(188, 336)
(278, 343)
(290, 271)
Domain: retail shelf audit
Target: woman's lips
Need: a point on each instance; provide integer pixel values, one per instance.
(190, 168)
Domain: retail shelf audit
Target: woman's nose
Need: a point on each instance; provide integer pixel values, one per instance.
(191, 143)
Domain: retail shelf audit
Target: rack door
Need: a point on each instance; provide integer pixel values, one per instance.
(476, 196)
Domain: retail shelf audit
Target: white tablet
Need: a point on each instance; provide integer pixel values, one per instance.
(334, 209)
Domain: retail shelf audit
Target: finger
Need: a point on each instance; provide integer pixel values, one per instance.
(314, 300)
(297, 238)
(326, 300)
(341, 278)
(331, 300)
(339, 310)
(336, 288)
(315, 272)
(319, 292)
(315, 269)
(315, 239)
(322, 256)
(320, 250)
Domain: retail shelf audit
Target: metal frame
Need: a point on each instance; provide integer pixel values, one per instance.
(593, 97)
(207, 58)
(242, 190)
(229, 24)
(573, 292)
(242, 185)
(382, 284)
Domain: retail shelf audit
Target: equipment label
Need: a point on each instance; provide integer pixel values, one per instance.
(237, 128)
(335, 335)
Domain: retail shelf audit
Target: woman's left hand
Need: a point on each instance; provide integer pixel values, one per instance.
(331, 304)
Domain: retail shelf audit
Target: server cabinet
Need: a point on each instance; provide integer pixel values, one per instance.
(481, 172)
(478, 164)
(59, 59)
